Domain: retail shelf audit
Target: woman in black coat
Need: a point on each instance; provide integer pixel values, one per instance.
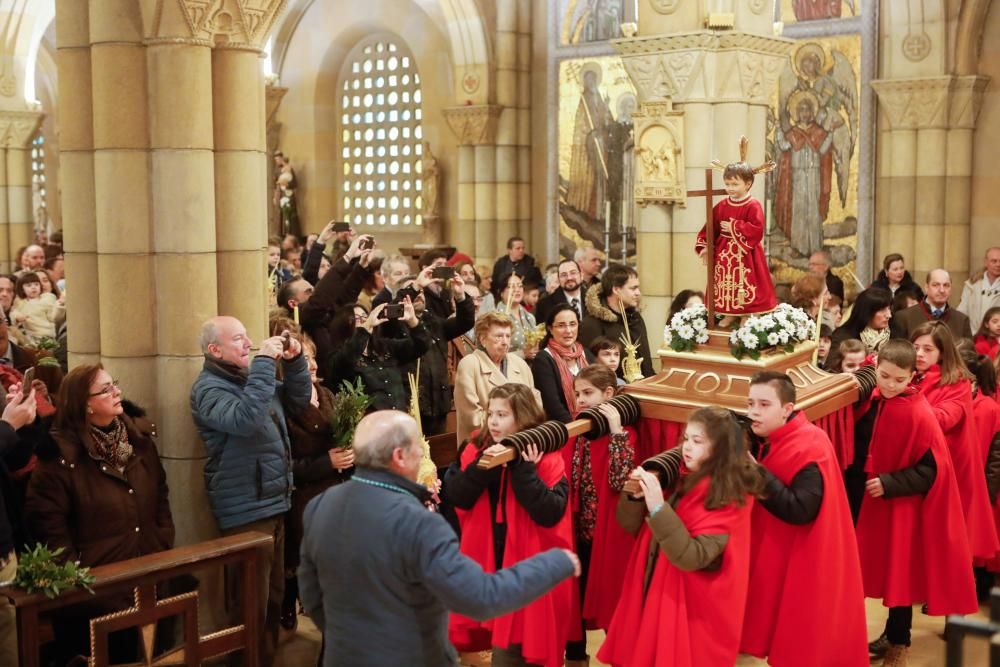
(869, 321)
(561, 358)
(895, 277)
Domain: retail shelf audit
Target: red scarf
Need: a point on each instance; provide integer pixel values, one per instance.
(561, 354)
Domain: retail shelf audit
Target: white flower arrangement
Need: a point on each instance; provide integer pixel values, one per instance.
(687, 328)
(783, 327)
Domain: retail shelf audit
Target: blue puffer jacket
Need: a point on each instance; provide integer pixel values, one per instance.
(242, 423)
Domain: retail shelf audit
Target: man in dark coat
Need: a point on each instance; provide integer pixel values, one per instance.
(379, 572)
(571, 290)
(619, 288)
(820, 264)
(933, 307)
(516, 261)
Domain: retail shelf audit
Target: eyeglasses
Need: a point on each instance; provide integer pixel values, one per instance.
(566, 325)
(108, 389)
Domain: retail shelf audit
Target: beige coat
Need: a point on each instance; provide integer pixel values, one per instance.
(475, 378)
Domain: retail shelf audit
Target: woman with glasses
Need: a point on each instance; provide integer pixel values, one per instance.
(99, 493)
(561, 358)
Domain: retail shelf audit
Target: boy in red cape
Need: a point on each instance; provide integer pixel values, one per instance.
(686, 580)
(806, 604)
(506, 513)
(944, 381)
(911, 532)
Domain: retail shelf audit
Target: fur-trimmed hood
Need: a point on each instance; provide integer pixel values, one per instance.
(597, 307)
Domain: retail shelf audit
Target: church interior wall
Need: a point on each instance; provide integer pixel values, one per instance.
(985, 220)
(309, 112)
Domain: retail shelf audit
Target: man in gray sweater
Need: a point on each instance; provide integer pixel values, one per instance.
(380, 572)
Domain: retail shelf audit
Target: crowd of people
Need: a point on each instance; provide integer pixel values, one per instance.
(688, 557)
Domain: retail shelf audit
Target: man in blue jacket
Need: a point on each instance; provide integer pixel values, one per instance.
(379, 571)
(237, 407)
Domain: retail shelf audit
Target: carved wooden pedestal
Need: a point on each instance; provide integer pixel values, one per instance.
(712, 376)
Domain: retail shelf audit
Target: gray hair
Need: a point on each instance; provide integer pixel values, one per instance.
(825, 254)
(209, 334)
(380, 434)
(581, 254)
(388, 262)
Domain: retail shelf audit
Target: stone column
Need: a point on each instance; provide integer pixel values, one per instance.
(925, 170)
(507, 207)
(241, 198)
(722, 81)
(475, 127)
(17, 128)
(523, 113)
(76, 160)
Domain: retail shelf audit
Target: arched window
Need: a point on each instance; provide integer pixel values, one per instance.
(39, 190)
(380, 134)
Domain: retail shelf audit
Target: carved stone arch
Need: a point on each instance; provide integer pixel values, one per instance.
(969, 35)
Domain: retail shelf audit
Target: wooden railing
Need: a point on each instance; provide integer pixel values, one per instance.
(959, 628)
(139, 577)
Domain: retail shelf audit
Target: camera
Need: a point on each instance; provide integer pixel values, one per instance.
(339, 227)
(393, 311)
(367, 243)
(408, 291)
(443, 273)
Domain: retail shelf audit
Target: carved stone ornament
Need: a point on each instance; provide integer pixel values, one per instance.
(239, 23)
(934, 102)
(664, 6)
(18, 127)
(659, 154)
(474, 124)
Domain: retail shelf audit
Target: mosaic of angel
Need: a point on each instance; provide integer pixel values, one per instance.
(816, 136)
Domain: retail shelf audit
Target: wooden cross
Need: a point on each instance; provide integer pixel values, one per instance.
(708, 193)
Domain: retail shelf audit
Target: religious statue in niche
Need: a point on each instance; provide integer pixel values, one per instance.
(430, 189)
(284, 195)
(660, 161)
(592, 20)
(815, 140)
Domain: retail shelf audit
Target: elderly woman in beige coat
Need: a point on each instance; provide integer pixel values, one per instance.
(491, 365)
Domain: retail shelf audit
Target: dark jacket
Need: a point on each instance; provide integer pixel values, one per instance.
(405, 574)
(15, 452)
(526, 268)
(835, 285)
(907, 283)
(381, 367)
(904, 322)
(436, 391)
(312, 439)
(600, 320)
(95, 513)
(242, 423)
(340, 286)
(548, 302)
(547, 381)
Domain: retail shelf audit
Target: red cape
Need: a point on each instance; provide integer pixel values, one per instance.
(685, 619)
(914, 548)
(611, 545)
(952, 405)
(543, 627)
(988, 346)
(986, 411)
(806, 603)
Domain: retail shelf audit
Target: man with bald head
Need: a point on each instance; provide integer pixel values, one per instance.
(934, 307)
(32, 259)
(982, 292)
(238, 407)
(380, 572)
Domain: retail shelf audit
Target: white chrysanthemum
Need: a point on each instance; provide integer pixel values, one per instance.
(750, 343)
(700, 324)
(772, 338)
(702, 337)
(734, 337)
(783, 337)
(686, 332)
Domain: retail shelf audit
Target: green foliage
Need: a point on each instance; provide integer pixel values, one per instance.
(349, 405)
(47, 361)
(39, 570)
(46, 343)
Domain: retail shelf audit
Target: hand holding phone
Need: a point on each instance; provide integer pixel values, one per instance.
(443, 273)
(393, 311)
(29, 378)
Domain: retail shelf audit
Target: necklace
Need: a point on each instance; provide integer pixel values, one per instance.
(381, 485)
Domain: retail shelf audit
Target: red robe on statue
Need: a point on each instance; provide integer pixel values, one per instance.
(805, 605)
(684, 619)
(798, 137)
(742, 280)
(952, 405)
(914, 548)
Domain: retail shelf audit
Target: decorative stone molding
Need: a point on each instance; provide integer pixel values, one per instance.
(659, 152)
(933, 102)
(235, 23)
(18, 127)
(273, 96)
(704, 65)
(474, 124)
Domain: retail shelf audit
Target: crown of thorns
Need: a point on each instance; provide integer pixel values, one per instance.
(744, 145)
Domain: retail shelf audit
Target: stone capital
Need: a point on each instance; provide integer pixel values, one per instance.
(273, 96)
(706, 66)
(474, 124)
(224, 23)
(18, 127)
(938, 102)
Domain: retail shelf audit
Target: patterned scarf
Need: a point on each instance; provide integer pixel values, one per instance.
(112, 445)
(563, 355)
(874, 338)
(584, 490)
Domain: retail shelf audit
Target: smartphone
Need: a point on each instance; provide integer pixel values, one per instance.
(443, 273)
(367, 243)
(339, 227)
(393, 311)
(409, 291)
(29, 377)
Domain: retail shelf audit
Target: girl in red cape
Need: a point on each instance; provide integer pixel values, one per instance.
(599, 469)
(945, 383)
(686, 581)
(805, 605)
(987, 339)
(911, 532)
(507, 514)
